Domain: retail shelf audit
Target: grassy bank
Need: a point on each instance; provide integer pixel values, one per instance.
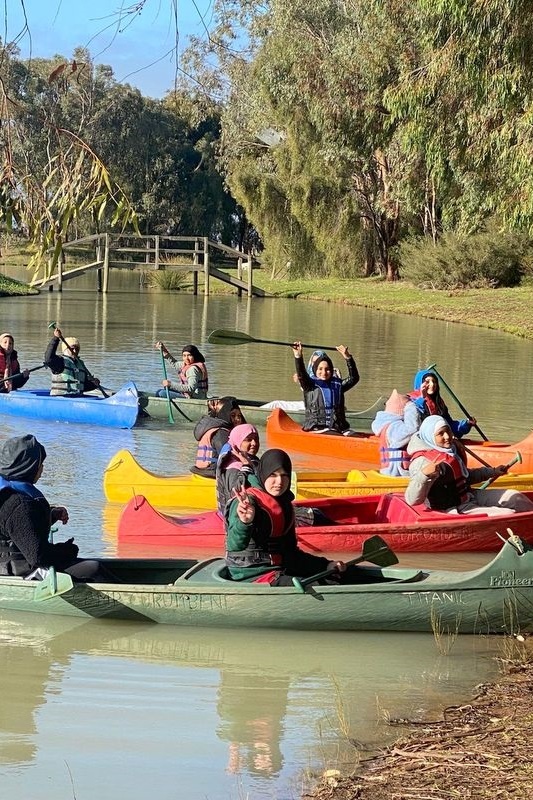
(499, 309)
(12, 288)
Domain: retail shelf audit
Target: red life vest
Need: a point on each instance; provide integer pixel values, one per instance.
(203, 383)
(279, 526)
(205, 455)
(460, 485)
(389, 456)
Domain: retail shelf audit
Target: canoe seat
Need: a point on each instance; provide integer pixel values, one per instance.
(201, 565)
(394, 508)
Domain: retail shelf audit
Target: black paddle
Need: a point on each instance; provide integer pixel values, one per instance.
(375, 550)
(452, 393)
(169, 405)
(222, 336)
(62, 338)
(18, 374)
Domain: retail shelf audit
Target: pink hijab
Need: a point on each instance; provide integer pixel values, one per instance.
(236, 437)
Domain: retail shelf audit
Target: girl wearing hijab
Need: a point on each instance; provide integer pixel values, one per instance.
(212, 433)
(428, 400)
(236, 463)
(324, 391)
(440, 478)
(261, 541)
(192, 373)
(26, 517)
(13, 377)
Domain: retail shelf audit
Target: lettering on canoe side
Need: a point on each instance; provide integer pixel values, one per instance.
(429, 598)
(164, 600)
(508, 579)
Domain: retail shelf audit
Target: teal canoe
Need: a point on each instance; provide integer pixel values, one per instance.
(189, 410)
(497, 598)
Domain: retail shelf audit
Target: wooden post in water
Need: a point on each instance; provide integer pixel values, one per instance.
(105, 286)
(206, 266)
(156, 254)
(250, 273)
(196, 262)
(239, 275)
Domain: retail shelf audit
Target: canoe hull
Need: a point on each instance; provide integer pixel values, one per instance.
(405, 529)
(189, 410)
(362, 449)
(497, 598)
(120, 410)
(124, 477)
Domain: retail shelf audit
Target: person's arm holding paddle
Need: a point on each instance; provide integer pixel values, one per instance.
(353, 372)
(70, 375)
(301, 373)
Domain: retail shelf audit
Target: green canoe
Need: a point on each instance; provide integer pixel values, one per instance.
(255, 411)
(497, 598)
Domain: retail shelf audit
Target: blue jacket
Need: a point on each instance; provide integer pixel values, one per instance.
(459, 427)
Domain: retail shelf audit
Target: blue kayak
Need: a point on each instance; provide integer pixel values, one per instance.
(120, 410)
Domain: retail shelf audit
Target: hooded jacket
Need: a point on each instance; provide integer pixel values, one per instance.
(459, 427)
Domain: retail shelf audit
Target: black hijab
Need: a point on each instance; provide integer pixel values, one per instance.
(195, 353)
(225, 407)
(270, 461)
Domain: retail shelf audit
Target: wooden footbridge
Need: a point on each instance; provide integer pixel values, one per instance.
(199, 255)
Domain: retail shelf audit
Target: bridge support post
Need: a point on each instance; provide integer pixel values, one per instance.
(206, 266)
(105, 285)
(250, 275)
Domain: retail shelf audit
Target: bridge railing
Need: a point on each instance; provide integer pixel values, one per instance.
(197, 254)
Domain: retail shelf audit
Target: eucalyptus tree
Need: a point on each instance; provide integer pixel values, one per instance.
(51, 179)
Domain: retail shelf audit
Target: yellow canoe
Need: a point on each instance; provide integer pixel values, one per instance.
(124, 477)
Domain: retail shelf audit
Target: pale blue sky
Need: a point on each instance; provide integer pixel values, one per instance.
(139, 48)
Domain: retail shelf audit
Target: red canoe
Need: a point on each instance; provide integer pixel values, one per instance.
(404, 528)
(362, 449)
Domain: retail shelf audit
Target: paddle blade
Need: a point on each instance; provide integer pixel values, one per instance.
(54, 584)
(377, 551)
(221, 336)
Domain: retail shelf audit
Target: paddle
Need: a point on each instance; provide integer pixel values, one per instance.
(222, 336)
(169, 404)
(516, 460)
(375, 550)
(452, 393)
(474, 455)
(62, 338)
(18, 374)
(54, 584)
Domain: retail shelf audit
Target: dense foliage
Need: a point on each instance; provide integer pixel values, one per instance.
(82, 153)
(359, 137)
(393, 119)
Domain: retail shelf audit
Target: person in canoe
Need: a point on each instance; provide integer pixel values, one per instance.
(70, 376)
(11, 376)
(324, 392)
(212, 433)
(395, 426)
(237, 461)
(192, 373)
(26, 517)
(440, 478)
(428, 400)
(261, 543)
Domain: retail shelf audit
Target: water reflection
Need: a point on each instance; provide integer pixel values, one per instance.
(219, 711)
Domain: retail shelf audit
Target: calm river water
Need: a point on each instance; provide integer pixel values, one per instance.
(95, 709)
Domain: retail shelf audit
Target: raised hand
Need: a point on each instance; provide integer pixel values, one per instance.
(245, 506)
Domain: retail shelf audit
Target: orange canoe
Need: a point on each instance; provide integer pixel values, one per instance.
(362, 449)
